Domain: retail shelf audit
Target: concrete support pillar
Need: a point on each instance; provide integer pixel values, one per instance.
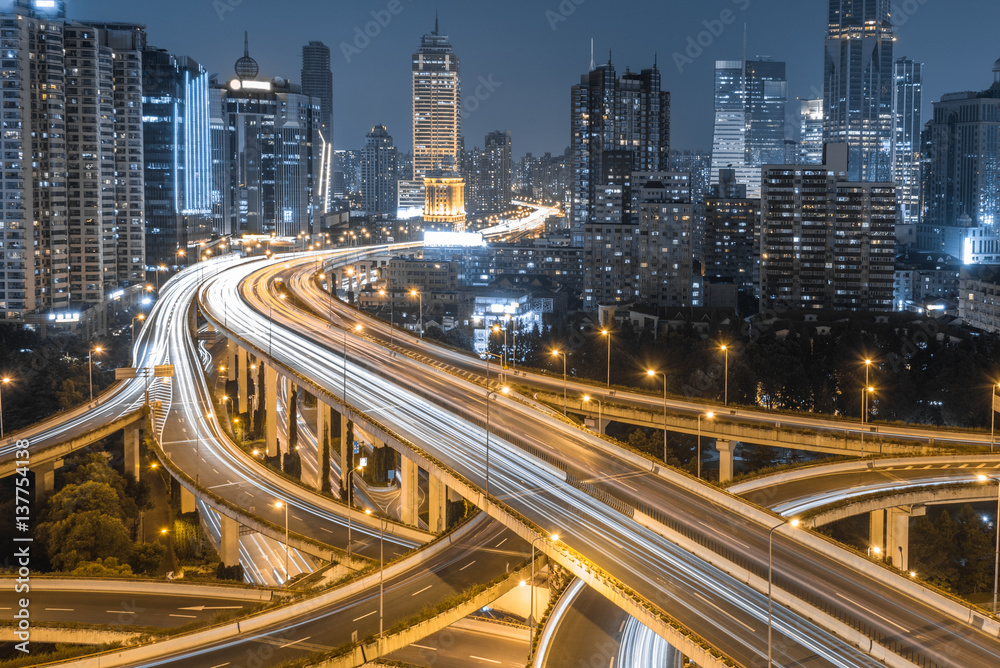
(898, 534)
(346, 450)
(409, 492)
(229, 548)
(600, 426)
(232, 348)
(132, 433)
(726, 449)
(187, 501)
(285, 390)
(45, 478)
(876, 531)
(243, 369)
(271, 412)
(437, 504)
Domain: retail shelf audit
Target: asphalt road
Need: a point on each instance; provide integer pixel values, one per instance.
(457, 647)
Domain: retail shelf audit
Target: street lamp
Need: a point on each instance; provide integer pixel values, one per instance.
(90, 368)
(140, 318)
(420, 311)
(864, 404)
(607, 333)
(725, 396)
(555, 539)
(279, 505)
(381, 568)
(770, 562)
(996, 559)
(2, 383)
(600, 410)
(350, 471)
(557, 353)
(652, 374)
(708, 416)
(489, 394)
(503, 357)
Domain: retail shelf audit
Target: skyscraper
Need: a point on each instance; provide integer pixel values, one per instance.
(732, 232)
(378, 173)
(612, 115)
(72, 202)
(907, 93)
(811, 131)
(826, 242)
(858, 86)
(317, 82)
(437, 129)
(491, 172)
(177, 144)
(750, 99)
(961, 188)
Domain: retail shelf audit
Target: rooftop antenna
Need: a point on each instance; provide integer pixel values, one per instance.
(436, 31)
(592, 54)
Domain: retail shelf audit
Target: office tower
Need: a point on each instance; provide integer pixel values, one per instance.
(67, 165)
(317, 82)
(378, 173)
(267, 149)
(647, 256)
(906, 127)
(858, 86)
(826, 242)
(811, 131)
(178, 159)
(961, 189)
(613, 113)
(750, 98)
(437, 130)
(732, 226)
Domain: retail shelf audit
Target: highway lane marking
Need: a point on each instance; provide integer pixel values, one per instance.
(479, 658)
(869, 610)
(981, 465)
(433, 649)
(121, 612)
(221, 665)
(188, 616)
(461, 569)
(622, 627)
(296, 517)
(421, 591)
(964, 466)
(294, 642)
(363, 616)
(216, 471)
(59, 609)
(325, 529)
(738, 621)
(501, 543)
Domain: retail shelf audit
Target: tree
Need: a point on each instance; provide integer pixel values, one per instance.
(70, 393)
(103, 568)
(84, 537)
(91, 495)
(146, 558)
(293, 419)
(324, 458)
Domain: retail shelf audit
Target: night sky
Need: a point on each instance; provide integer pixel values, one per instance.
(512, 43)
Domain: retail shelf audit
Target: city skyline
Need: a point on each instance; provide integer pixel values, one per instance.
(544, 60)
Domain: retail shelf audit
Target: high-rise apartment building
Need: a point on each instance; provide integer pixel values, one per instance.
(961, 189)
(613, 114)
(826, 242)
(750, 99)
(858, 85)
(378, 173)
(266, 149)
(178, 159)
(72, 202)
(317, 82)
(811, 131)
(496, 175)
(907, 93)
(732, 229)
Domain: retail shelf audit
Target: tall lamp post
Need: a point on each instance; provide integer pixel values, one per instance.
(555, 539)
(2, 383)
(279, 505)
(140, 318)
(708, 416)
(993, 412)
(652, 374)
(489, 394)
(392, 307)
(350, 471)
(770, 536)
(996, 558)
(90, 367)
(725, 394)
(600, 409)
(607, 333)
(557, 353)
(381, 569)
(503, 354)
(420, 310)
